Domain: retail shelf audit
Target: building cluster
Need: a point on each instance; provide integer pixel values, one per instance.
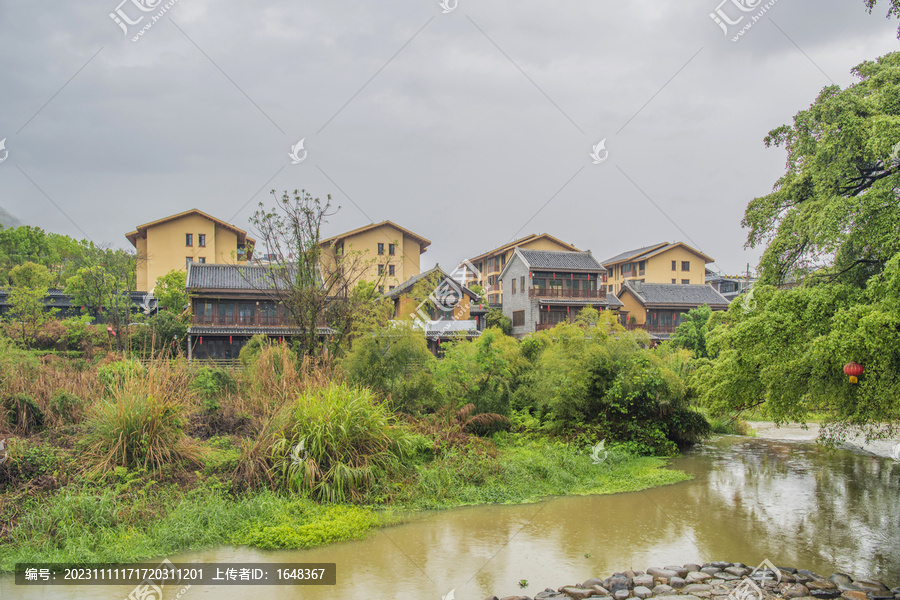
(537, 281)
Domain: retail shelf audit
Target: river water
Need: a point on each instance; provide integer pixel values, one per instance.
(793, 503)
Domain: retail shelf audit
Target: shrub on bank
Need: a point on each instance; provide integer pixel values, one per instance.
(337, 441)
(135, 429)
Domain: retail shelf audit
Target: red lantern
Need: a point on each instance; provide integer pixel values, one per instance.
(229, 339)
(854, 370)
(201, 340)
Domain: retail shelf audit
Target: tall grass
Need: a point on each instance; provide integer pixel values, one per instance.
(337, 441)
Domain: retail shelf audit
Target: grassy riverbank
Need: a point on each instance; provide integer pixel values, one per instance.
(114, 460)
(133, 515)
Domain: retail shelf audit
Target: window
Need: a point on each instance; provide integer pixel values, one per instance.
(391, 269)
(187, 261)
(674, 281)
(189, 239)
(380, 267)
(518, 318)
(513, 290)
(685, 281)
(201, 260)
(674, 266)
(380, 289)
(685, 265)
(522, 283)
(380, 248)
(390, 288)
(201, 240)
(391, 249)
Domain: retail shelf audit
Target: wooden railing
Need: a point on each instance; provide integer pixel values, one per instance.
(242, 321)
(561, 292)
(651, 328)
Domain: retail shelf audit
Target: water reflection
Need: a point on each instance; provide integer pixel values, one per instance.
(793, 503)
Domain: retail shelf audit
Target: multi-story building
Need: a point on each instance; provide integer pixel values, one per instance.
(172, 243)
(442, 307)
(230, 305)
(659, 308)
(491, 263)
(544, 288)
(661, 263)
(387, 253)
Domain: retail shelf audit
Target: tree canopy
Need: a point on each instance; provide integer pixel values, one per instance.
(836, 206)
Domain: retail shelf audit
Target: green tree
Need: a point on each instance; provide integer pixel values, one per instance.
(171, 292)
(395, 362)
(103, 285)
(691, 332)
(30, 283)
(496, 318)
(893, 9)
(838, 197)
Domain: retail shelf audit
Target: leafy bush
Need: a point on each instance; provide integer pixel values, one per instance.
(348, 442)
(252, 349)
(483, 372)
(395, 362)
(115, 375)
(211, 384)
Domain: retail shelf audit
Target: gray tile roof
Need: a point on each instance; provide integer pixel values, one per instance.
(631, 253)
(560, 259)
(677, 294)
(237, 277)
(412, 281)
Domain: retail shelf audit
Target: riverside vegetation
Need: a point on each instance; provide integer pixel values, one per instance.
(116, 460)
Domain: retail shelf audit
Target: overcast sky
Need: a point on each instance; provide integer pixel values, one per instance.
(470, 127)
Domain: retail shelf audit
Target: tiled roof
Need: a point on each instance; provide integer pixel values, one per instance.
(424, 242)
(237, 277)
(676, 294)
(562, 260)
(633, 253)
(141, 230)
(412, 281)
(520, 242)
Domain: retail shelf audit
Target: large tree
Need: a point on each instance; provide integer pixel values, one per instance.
(836, 206)
(316, 285)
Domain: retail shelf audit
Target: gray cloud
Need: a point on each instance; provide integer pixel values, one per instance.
(449, 138)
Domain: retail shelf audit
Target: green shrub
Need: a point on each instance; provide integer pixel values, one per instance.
(251, 350)
(348, 442)
(133, 429)
(66, 406)
(211, 384)
(23, 413)
(115, 375)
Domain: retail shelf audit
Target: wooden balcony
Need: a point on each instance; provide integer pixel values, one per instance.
(242, 321)
(561, 292)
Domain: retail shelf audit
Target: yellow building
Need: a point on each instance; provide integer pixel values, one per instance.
(389, 252)
(169, 244)
(661, 263)
(491, 263)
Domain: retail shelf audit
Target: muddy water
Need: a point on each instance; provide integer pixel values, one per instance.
(750, 499)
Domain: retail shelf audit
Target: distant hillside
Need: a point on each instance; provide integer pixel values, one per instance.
(7, 220)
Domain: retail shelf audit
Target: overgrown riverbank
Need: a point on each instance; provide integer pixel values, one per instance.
(115, 460)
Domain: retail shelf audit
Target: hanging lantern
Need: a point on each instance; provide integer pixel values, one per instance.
(229, 339)
(854, 370)
(201, 340)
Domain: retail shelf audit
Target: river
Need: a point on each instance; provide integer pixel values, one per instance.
(791, 502)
